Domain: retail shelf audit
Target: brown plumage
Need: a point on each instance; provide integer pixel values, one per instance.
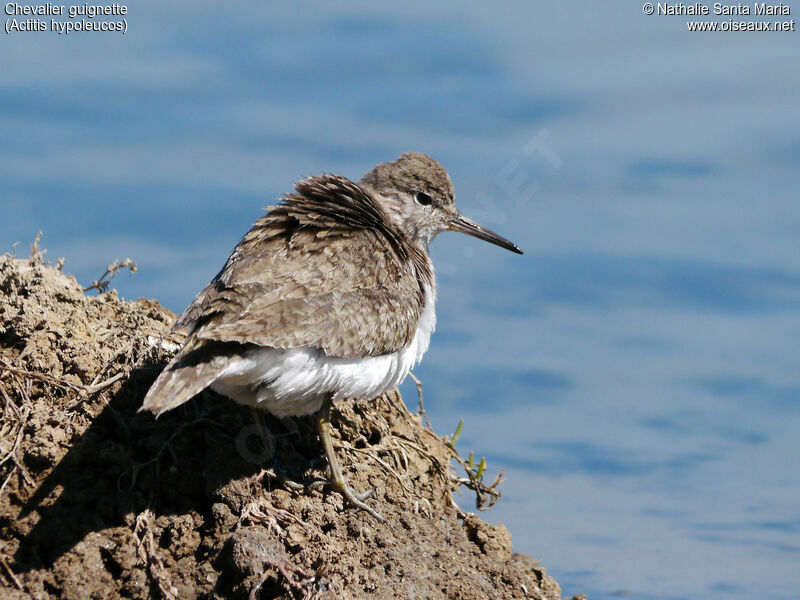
(323, 269)
(329, 294)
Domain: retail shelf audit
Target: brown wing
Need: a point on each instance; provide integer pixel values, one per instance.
(194, 368)
(324, 269)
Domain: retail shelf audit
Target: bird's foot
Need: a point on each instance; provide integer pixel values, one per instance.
(268, 439)
(335, 479)
(356, 498)
(287, 481)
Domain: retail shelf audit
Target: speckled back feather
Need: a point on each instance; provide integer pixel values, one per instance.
(325, 268)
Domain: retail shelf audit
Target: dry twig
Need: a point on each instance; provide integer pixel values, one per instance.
(64, 385)
(101, 284)
(11, 574)
(37, 254)
(382, 464)
(146, 551)
(421, 404)
(263, 512)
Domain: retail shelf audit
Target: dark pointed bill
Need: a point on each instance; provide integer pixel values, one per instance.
(468, 226)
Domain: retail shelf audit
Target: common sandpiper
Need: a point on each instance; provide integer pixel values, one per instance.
(329, 295)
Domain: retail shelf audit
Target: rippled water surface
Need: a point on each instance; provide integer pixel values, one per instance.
(635, 371)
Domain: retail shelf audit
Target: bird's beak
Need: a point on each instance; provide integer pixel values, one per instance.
(465, 225)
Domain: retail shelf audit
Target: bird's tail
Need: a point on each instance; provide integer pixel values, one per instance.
(192, 370)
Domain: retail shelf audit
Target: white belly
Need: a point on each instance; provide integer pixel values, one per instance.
(295, 382)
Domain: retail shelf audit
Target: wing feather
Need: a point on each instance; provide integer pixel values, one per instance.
(323, 269)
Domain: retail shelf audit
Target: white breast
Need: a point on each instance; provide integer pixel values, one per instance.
(294, 382)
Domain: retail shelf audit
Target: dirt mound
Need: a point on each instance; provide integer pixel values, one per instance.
(99, 501)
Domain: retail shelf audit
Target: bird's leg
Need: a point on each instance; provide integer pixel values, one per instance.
(268, 440)
(290, 424)
(335, 478)
(266, 435)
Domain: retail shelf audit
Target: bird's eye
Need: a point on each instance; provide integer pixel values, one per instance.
(423, 198)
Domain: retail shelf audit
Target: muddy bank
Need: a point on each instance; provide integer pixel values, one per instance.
(99, 501)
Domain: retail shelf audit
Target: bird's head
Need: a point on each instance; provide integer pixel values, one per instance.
(416, 192)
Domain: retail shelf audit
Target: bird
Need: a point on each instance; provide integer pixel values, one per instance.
(331, 294)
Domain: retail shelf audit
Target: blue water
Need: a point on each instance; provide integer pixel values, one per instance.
(635, 371)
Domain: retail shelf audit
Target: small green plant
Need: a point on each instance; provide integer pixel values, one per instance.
(486, 495)
(451, 440)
